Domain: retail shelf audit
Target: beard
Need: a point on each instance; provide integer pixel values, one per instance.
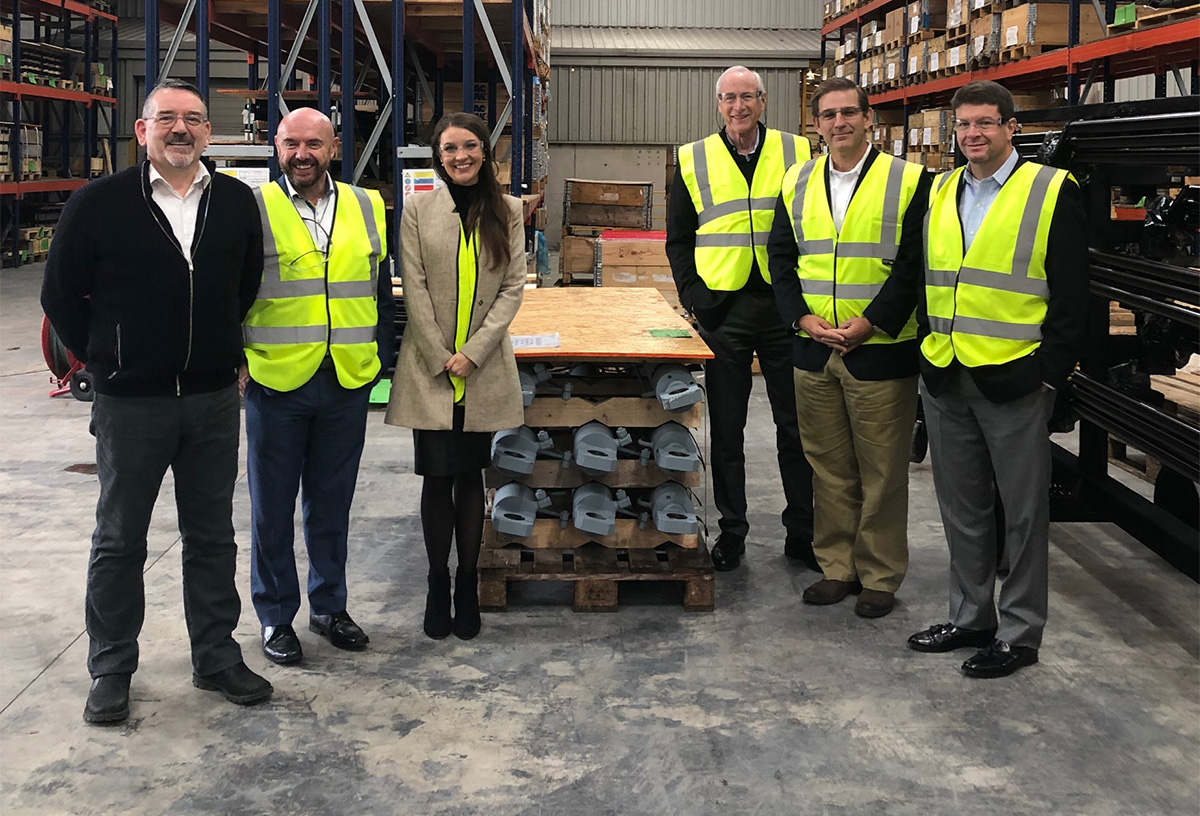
(318, 174)
(177, 160)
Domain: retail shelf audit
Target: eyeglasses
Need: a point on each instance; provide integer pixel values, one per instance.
(982, 125)
(168, 118)
(449, 148)
(746, 97)
(309, 261)
(831, 115)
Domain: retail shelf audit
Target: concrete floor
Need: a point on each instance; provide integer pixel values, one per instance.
(763, 706)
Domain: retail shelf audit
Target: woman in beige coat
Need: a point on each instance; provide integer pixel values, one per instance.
(463, 250)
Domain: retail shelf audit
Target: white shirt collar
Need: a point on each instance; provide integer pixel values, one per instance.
(202, 177)
(294, 193)
(853, 171)
(1000, 176)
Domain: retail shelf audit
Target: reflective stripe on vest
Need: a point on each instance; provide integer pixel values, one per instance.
(734, 218)
(310, 303)
(468, 270)
(841, 273)
(986, 306)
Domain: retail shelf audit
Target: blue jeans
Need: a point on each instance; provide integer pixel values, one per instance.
(308, 440)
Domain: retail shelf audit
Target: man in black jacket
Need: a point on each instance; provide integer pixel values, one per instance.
(1001, 318)
(149, 276)
(717, 226)
(845, 256)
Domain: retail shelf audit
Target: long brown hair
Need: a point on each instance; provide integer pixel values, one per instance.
(489, 211)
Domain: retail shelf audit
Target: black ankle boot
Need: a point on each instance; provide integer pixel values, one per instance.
(466, 604)
(437, 606)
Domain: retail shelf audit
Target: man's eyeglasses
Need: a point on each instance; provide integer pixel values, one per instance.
(982, 125)
(168, 118)
(830, 115)
(745, 96)
(449, 148)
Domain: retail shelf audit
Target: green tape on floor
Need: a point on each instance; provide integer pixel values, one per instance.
(381, 392)
(670, 333)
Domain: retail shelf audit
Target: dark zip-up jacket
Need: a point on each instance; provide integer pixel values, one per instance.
(126, 302)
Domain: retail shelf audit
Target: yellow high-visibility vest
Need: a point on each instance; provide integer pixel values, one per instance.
(841, 273)
(735, 217)
(468, 270)
(986, 306)
(312, 303)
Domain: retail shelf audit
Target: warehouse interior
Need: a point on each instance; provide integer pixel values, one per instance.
(708, 692)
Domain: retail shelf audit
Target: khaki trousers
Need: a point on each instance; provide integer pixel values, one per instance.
(857, 435)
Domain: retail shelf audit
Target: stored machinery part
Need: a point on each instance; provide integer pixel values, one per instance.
(515, 507)
(595, 447)
(672, 510)
(675, 388)
(673, 448)
(531, 376)
(515, 450)
(594, 509)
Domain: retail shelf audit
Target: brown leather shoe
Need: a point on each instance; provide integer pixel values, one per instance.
(827, 591)
(874, 603)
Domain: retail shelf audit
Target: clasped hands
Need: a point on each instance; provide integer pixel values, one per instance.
(844, 338)
(459, 365)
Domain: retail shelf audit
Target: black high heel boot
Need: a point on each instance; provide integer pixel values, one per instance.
(437, 606)
(466, 604)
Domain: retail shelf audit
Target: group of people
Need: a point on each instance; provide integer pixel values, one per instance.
(183, 289)
(854, 277)
(850, 276)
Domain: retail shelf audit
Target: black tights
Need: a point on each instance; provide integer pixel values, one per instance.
(452, 508)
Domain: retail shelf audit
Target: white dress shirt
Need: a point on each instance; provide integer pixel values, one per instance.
(978, 195)
(181, 210)
(319, 218)
(841, 188)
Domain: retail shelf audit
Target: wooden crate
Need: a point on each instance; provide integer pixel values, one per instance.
(1031, 28)
(577, 258)
(596, 573)
(614, 204)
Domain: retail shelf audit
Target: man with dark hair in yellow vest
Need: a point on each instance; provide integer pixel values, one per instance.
(317, 339)
(1001, 322)
(718, 221)
(846, 265)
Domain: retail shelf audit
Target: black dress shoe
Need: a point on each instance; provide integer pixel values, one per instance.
(237, 683)
(438, 621)
(801, 549)
(728, 551)
(467, 622)
(946, 637)
(342, 632)
(108, 700)
(280, 645)
(999, 660)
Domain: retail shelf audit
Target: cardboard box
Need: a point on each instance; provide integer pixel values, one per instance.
(577, 256)
(918, 58)
(926, 15)
(894, 28)
(1044, 25)
(985, 37)
(956, 13)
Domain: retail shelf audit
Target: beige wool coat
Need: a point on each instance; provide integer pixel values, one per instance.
(422, 394)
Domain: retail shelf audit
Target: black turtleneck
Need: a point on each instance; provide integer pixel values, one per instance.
(464, 197)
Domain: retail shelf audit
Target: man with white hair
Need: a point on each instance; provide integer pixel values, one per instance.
(718, 222)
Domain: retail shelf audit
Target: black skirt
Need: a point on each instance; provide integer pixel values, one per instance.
(453, 452)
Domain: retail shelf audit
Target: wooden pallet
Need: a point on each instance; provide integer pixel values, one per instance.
(1025, 51)
(987, 9)
(596, 573)
(958, 35)
(628, 412)
(549, 534)
(1182, 394)
(549, 474)
(1158, 18)
(924, 34)
(1142, 465)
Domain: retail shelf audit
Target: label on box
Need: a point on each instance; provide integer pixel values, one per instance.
(978, 4)
(979, 44)
(878, 39)
(914, 25)
(927, 136)
(535, 340)
(934, 61)
(898, 147)
(914, 136)
(864, 78)
(838, 71)
(837, 7)
(1010, 36)
(955, 58)
(891, 70)
(912, 65)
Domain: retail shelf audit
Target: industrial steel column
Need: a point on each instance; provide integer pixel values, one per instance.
(468, 65)
(202, 43)
(347, 83)
(151, 44)
(518, 94)
(324, 57)
(273, 64)
(398, 116)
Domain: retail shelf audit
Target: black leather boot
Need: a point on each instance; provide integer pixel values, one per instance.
(437, 606)
(466, 604)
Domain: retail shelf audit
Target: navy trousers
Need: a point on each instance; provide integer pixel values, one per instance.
(308, 441)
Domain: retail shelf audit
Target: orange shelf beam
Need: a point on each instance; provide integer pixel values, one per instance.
(55, 185)
(20, 89)
(853, 15)
(76, 8)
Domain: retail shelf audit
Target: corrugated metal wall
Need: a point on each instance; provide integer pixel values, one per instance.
(666, 106)
(688, 13)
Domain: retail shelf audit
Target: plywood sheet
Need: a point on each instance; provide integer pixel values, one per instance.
(599, 324)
